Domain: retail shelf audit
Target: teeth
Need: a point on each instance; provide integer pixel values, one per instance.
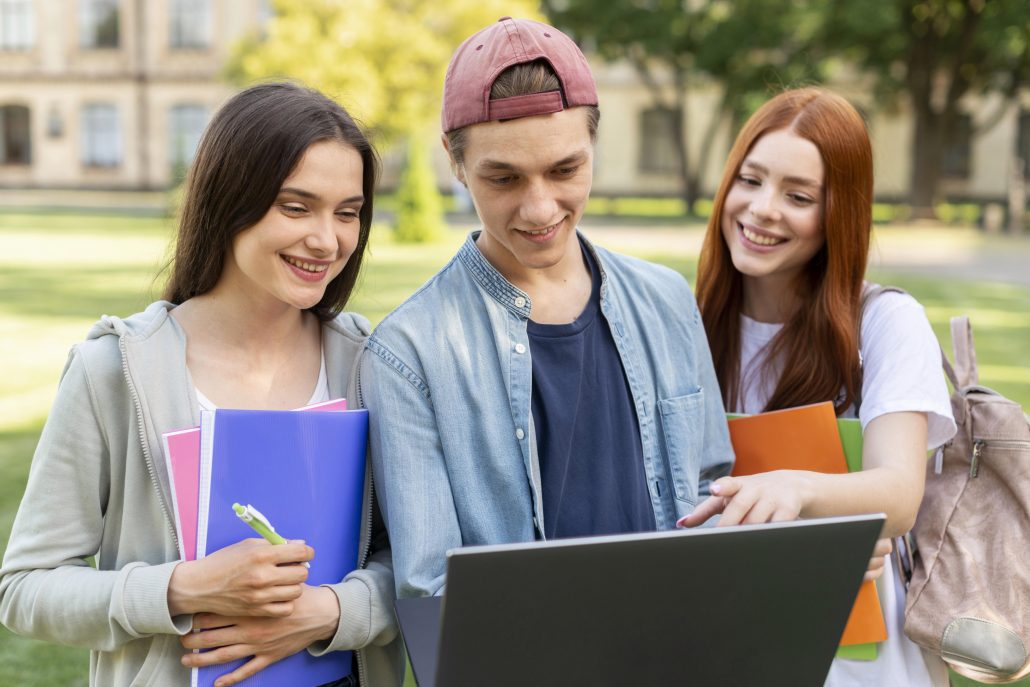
(758, 238)
(538, 232)
(305, 265)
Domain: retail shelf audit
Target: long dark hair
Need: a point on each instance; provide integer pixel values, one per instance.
(246, 153)
(819, 344)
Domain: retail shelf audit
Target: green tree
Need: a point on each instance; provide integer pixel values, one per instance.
(419, 211)
(932, 54)
(743, 48)
(382, 59)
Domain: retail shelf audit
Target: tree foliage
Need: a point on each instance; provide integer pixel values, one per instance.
(745, 49)
(382, 59)
(933, 53)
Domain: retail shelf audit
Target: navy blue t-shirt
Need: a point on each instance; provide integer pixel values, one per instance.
(588, 440)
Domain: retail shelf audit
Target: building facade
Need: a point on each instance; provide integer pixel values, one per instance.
(114, 94)
(111, 94)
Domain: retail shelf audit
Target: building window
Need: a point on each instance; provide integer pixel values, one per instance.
(17, 25)
(956, 150)
(98, 23)
(15, 135)
(186, 124)
(657, 141)
(101, 136)
(190, 22)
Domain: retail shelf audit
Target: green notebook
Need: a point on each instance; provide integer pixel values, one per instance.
(850, 431)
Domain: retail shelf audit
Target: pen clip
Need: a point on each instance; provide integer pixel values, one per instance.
(256, 515)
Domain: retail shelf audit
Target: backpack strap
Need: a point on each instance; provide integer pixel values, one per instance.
(964, 373)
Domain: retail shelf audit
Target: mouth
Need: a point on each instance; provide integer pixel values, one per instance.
(540, 235)
(308, 270)
(758, 237)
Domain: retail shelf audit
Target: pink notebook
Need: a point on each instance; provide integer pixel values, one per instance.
(182, 459)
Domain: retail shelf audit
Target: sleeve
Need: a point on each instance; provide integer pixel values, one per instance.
(901, 366)
(366, 602)
(410, 471)
(48, 589)
(716, 451)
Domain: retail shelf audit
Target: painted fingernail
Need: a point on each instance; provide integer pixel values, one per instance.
(716, 488)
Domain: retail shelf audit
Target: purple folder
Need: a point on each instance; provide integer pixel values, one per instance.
(305, 472)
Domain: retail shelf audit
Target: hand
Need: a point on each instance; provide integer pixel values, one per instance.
(249, 578)
(878, 561)
(316, 614)
(774, 496)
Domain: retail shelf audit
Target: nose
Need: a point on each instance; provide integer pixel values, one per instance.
(538, 208)
(764, 204)
(321, 237)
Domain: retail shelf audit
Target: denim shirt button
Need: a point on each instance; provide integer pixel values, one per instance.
(520, 302)
(520, 348)
(519, 434)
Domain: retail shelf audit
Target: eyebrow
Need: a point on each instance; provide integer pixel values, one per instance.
(499, 165)
(800, 181)
(314, 196)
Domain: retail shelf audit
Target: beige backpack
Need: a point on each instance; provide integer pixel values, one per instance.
(969, 595)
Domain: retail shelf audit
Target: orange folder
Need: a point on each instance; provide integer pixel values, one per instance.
(805, 438)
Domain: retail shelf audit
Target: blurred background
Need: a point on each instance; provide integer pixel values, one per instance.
(102, 103)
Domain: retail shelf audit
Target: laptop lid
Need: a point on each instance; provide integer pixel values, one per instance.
(762, 605)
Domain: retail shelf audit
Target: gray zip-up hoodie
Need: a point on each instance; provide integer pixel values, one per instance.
(98, 487)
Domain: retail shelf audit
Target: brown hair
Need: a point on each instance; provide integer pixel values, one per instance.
(819, 343)
(246, 153)
(520, 79)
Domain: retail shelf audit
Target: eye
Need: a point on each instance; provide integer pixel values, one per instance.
(502, 181)
(347, 215)
(566, 171)
(800, 198)
(289, 209)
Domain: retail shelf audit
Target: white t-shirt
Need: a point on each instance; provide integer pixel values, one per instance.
(319, 395)
(901, 371)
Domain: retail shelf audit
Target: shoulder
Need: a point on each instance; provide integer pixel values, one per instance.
(892, 313)
(428, 308)
(627, 267)
(349, 325)
(101, 351)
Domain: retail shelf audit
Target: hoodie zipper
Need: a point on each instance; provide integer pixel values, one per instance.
(367, 533)
(145, 445)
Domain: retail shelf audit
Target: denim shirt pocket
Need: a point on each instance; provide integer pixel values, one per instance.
(683, 431)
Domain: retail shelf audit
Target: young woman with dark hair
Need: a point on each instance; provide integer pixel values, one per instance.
(780, 288)
(274, 224)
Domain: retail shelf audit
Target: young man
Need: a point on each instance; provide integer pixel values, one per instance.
(538, 386)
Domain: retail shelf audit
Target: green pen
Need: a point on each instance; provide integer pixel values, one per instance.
(259, 523)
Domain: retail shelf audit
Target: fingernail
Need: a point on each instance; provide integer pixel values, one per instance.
(716, 488)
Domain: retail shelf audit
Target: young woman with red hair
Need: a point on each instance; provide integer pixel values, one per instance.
(780, 287)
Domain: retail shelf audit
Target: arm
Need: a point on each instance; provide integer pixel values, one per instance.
(891, 481)
(47, 588)
(717, 451)
(410, 472)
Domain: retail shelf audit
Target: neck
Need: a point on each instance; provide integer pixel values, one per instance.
(559, 292)
(771, 299)
(238, 321)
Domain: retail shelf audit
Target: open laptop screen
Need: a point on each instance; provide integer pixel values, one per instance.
(762, 605)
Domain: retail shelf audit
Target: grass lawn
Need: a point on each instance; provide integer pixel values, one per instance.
(59, 272)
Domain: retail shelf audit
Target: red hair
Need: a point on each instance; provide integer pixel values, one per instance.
(818, 345)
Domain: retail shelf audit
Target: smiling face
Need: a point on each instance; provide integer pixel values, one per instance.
(529, 179)
(305, 239)
(772, 217)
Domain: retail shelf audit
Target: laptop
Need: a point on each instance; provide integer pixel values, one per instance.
(749, 605)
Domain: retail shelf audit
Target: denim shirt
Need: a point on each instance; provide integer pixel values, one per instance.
(447, 379)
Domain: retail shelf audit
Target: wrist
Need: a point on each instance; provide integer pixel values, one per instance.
(806, 490)
(325, 613)
(180, 586)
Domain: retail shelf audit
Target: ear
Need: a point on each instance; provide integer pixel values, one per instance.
(456, 168)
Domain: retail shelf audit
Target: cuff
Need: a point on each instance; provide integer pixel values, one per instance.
(355, 627)
(145, 601)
